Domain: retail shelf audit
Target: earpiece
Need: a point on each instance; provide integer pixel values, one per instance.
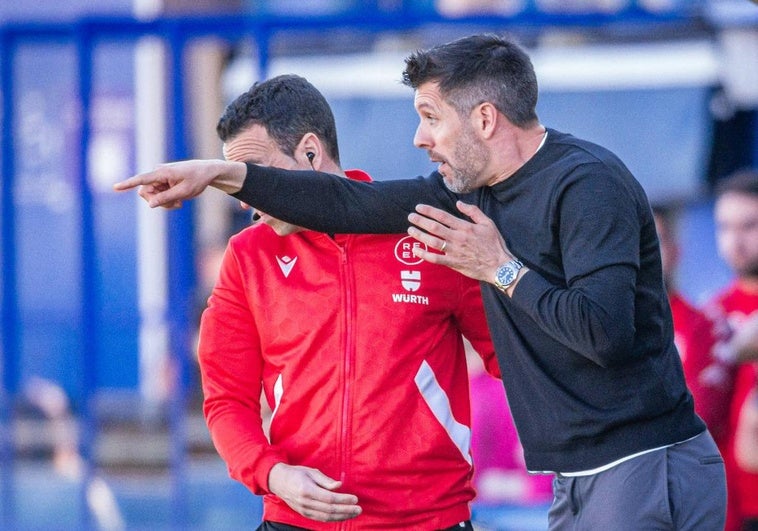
(311, 155)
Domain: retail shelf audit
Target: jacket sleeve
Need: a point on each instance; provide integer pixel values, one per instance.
(472, 323)
(332, 204)
(592, 311)
(231, 368)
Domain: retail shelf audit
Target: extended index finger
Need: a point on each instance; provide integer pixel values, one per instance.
(132, 182)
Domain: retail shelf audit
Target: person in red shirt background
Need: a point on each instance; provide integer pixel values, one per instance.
(736, 219)
(708, 377)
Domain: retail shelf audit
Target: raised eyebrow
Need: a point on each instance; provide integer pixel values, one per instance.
(427, 107)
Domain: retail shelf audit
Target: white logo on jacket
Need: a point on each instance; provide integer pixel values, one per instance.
(404, 250)
(286, 264)
(411, 280)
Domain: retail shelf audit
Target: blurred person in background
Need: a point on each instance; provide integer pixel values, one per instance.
(355, 342)
(746, 432)
(500, 475)
(50, 399)
(561, 237)
(746, 438)
(736, 220)
(708, 377)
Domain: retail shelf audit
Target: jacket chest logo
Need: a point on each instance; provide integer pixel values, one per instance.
(411, 280)
(404, 250)
(286, 264)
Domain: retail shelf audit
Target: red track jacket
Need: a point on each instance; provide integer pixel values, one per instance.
(709, 379)
(357, 346)
(736, 303)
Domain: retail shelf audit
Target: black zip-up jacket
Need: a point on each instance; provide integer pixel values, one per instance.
(586, 344)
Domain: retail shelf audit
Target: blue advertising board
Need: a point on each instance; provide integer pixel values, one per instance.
(48, 227)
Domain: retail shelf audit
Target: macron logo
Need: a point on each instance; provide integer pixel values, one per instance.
(286, 264)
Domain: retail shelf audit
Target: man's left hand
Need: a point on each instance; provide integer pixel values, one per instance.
(475, 248)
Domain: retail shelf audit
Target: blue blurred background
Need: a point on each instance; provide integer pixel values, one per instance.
(101, 424)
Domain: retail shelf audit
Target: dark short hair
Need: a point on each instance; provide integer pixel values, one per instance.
(479, 68)
(288, 107)
(744, 182)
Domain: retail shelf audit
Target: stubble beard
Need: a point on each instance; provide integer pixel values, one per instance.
(471, 157)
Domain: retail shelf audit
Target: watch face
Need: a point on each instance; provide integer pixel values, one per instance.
(506, 274)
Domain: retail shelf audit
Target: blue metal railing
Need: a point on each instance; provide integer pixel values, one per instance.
(181, 274)
(10, 310)
(176, 33)
(89, 297)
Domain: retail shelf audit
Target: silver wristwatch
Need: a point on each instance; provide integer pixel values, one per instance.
(506, 274)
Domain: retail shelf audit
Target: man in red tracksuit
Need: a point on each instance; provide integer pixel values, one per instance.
(355, 343)
(708, 377)
(736, 217)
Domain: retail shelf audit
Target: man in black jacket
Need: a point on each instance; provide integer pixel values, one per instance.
(562, 238)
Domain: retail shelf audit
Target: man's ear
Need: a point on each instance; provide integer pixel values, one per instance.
(311, 150)
(484, 118)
